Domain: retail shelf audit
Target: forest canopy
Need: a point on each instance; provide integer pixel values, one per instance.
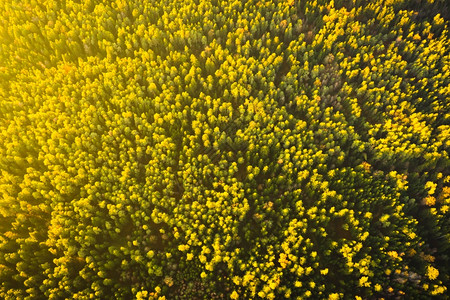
(196, 149)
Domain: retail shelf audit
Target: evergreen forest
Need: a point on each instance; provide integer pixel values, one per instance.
(224, 149)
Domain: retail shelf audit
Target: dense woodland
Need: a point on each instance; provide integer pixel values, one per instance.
(195, 149)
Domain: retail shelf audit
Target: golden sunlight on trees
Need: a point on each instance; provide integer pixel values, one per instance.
(224, 149)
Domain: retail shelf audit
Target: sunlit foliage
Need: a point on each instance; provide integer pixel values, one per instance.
(224, 149)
